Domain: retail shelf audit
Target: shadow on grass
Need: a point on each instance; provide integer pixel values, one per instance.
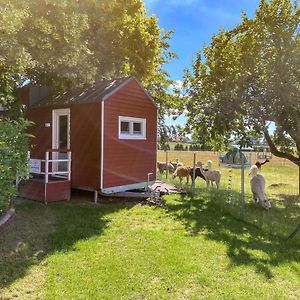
(246, 244)
(38, 230)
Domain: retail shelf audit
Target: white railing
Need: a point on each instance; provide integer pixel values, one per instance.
(51, 160)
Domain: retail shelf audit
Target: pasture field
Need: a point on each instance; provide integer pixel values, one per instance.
(189, 249)
(281, 189)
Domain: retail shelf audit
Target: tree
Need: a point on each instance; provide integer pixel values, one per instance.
(248, 78)
(14, 59)
(75, 42)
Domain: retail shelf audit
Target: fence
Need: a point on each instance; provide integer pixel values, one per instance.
(236, 198)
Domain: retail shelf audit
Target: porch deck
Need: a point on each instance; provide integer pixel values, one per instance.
(46, 185)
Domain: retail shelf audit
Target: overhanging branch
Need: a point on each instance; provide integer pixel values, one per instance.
(276, 152)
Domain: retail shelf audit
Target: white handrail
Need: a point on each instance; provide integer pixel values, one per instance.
(46, 167)
(56, 160)
(48, 161)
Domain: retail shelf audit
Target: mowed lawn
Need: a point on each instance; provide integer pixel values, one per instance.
(188, 250)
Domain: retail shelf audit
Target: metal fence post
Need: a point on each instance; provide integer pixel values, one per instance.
(242, 190)
(167, 166)
(194, 173)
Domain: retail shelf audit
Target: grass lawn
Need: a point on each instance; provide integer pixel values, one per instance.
(189, 250)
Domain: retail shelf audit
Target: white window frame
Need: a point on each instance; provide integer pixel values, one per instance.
(131, 135)
(56, 113)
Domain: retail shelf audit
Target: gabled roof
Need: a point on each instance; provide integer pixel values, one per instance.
(97, 91)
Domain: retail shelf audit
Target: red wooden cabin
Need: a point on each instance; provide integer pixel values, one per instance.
(110, 127)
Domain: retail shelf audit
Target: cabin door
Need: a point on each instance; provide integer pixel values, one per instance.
(60, 137)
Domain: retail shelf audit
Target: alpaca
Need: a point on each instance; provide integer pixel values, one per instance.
(209, 164)
(210, 176)
(198, 173)
(259, 164)
(162, 166)
(258, 184)
(182, 172)
(177, 163)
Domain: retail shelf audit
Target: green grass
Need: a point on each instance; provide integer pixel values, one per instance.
(4, 205)
(189, 250)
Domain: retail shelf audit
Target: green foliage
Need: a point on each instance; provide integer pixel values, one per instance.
(164, 147)
(14, 59)
(179, 147)
(248, 77)
(200, 147)
(70, 42)
(13, 158)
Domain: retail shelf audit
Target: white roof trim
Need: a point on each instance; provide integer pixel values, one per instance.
(123, 84)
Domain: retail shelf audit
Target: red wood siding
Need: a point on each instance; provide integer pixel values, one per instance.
(85, 140)
(42, 136)
(128, 161)
(86, 145)
(46, 192)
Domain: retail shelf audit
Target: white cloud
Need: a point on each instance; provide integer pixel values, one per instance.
(178, 84)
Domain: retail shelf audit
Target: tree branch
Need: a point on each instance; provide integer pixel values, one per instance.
(276, 152)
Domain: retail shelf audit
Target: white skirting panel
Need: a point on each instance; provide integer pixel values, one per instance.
(124, 188)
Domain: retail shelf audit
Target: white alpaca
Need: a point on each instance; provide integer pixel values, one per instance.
(210, 175)
(258, 184)
(177, 163)
(209, 164)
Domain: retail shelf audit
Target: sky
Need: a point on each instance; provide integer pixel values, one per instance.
(194, 23)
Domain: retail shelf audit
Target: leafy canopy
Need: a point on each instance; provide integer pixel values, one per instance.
(248, 77)
(69, 42)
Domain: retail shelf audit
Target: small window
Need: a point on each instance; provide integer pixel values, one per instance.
(137, 128)
(125, 127)
(132, 128)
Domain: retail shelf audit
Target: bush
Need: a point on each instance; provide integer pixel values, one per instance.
(13, 158)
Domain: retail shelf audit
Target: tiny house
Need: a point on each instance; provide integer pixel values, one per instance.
(109, 128)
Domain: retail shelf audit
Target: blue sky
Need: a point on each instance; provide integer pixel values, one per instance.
(194, 22)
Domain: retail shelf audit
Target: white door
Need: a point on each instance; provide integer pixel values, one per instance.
(60, 137)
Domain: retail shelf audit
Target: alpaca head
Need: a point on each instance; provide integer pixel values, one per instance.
(209, 164)
(253, 170)
(199, 164)
(266, 204)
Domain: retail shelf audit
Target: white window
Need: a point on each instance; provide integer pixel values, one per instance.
(132, 128)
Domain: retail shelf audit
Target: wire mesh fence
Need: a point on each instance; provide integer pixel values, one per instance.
(282, 186)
